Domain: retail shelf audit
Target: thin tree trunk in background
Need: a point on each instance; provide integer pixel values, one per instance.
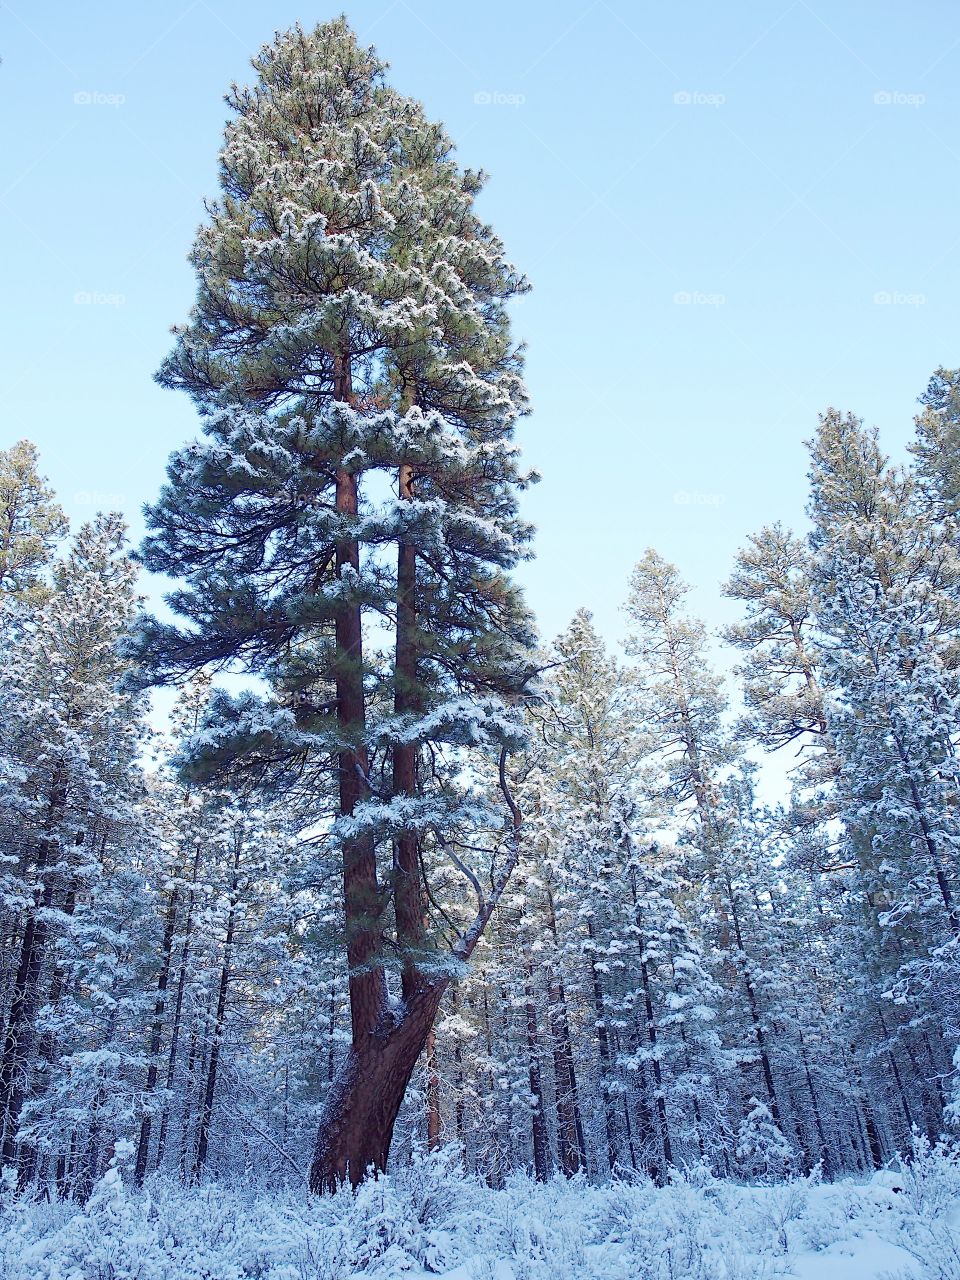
(898, 1079)
(433, 1094)
(210, 1086)
(603, 1045)
(458, 1060)
(538, 1120)
(658, 1100)
(156, 1034)
(865, 1112)
(569, 1125)
(650, 1027)
(753, 1007)
(21, 1021)
(47, 1051)
(688, 1066)
(194, 1059)
(815, 1104)
(178, 1010)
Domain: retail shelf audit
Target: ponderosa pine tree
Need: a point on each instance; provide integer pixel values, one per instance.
(885, 587)
(30, 523)
(70, 777)
(936, 445)
(351, 333)
(782, 686)
(683, 705)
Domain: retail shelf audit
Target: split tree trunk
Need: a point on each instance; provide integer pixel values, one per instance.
(357, 1125)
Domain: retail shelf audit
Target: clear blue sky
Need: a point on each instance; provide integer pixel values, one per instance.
(736, 153)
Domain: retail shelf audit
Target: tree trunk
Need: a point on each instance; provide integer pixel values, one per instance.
(361, 891)
(21, 1021)
(459, 1116)
(210, 1085)
(606, 1062)
(178, 1011)
(356, 1128)
(433, 1094)
(156, 1034)
(658, 1099)
(538, 1119)
(47, 1051)
(408, 895)
(569, 1124)
(753, 1007)
(357, 1124)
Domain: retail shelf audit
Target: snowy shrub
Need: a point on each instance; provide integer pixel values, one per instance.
(924, 1200)
(762, 1152)
(930, 1175)
(430, 1219)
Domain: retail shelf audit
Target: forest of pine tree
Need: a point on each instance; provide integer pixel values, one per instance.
(398, 873)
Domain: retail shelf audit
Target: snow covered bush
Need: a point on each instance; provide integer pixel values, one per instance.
(762, 1152)
(429, 1219)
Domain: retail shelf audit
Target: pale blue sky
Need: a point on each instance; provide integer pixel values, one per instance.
(780, 164)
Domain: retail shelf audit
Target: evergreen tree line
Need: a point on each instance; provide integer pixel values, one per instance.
(676, 973)
(408, 876)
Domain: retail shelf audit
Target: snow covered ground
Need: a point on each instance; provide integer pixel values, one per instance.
(427, 1220)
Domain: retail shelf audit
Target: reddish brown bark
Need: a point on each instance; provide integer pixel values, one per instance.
(408, 895)
(361, 891)
(358, 1121)
(357, 1126)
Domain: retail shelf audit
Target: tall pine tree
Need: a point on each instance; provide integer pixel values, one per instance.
(351, 357)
